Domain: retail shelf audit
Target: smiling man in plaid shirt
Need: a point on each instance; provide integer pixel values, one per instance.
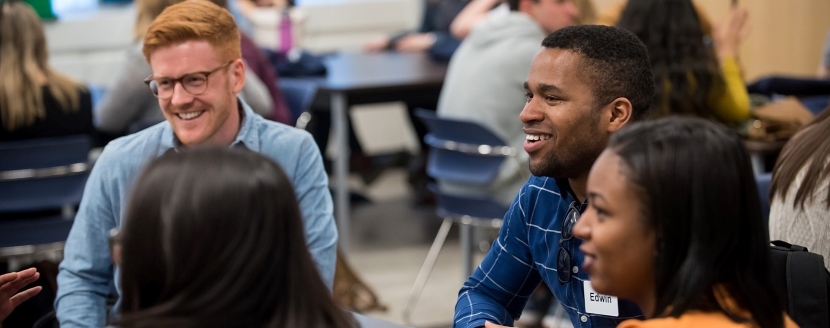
(585, 83)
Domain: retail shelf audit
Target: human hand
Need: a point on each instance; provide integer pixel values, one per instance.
(415, 42)
(728, 35)
(10, 283)
(488, 324)
(377, 44)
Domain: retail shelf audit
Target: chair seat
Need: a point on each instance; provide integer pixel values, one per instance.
(34, 231)
(480, 209)
(32, 195)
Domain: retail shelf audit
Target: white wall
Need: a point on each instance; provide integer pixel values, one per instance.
(90, 46)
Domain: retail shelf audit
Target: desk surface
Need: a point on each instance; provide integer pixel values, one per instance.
(386, 71)
(368, 322)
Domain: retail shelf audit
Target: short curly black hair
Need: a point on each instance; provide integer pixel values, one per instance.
(615, 61)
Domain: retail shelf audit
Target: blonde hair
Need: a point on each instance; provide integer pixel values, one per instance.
(194, 20)
(23, 61)
(147, 11)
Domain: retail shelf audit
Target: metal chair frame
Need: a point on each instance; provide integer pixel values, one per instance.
(466, 222)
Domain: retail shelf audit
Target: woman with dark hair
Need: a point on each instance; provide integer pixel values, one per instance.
(692, 77)
(800, 200)
(213, 238)
(682, 238)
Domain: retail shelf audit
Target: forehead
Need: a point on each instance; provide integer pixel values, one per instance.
(608, 176)
(557, 67)
(182, 58)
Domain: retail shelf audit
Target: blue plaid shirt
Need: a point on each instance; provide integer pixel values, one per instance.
(524, 255)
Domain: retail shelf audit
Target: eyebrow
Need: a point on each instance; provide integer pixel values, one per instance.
(544, 88)
(594, 195)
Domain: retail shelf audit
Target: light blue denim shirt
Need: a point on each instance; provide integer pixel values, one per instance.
(87, 274)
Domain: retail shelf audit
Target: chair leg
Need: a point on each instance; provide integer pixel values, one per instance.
(466, 242)
(426, 269)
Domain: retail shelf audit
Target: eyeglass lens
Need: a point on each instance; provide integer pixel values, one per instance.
(194, 84)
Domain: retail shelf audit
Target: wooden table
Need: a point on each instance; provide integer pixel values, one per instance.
(355, 77)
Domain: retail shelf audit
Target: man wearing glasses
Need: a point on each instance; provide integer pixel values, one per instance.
(194, 51)
(585, 83)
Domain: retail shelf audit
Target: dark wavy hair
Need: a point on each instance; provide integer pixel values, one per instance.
(810, 147)
(706, 215)
(686, 72)
(214, 238)
(615, 63)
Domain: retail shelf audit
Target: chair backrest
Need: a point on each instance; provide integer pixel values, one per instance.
(462, 151)
(43, 174)
(763, 181)
(298, 95)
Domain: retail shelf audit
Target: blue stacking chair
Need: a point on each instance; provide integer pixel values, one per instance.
(466, 152)
(763, 181)
(42, 181)
(298, 96)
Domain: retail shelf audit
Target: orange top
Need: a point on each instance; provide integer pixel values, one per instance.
(697, 318)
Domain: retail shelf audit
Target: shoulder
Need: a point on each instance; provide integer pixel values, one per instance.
(285, 144)
(127, 154)
(275, 134)
(538, 186)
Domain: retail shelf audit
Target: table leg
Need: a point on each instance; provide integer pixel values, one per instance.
(757, 163)
(341, 167)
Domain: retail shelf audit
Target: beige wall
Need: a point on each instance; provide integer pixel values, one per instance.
(786, 36)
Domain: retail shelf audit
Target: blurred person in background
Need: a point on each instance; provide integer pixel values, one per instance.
(35, 101)
(682, 238)
(800, 189)
(433, 36)
(127, 106)
(692, 77)
(479, 10)
(222, 252)
(824, 66)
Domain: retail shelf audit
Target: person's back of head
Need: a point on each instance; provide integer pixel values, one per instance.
(615, 63)
(148, 10)
(551, 15)
(193, 21)
(24, 69)
(214, 237)
(685, 67)
(807, 151)
(706, 218)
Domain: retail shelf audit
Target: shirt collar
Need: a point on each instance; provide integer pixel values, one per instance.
(565, 189)
(246, 137)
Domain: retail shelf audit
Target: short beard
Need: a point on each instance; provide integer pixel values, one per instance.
(572, 163)
(576, 164)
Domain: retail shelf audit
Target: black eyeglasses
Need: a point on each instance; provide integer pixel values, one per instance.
(564, 259)
(194, 83)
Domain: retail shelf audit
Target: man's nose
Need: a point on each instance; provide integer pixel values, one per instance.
(180, 95)
(530, 113)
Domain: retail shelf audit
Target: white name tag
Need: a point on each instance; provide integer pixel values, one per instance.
(596, 303)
